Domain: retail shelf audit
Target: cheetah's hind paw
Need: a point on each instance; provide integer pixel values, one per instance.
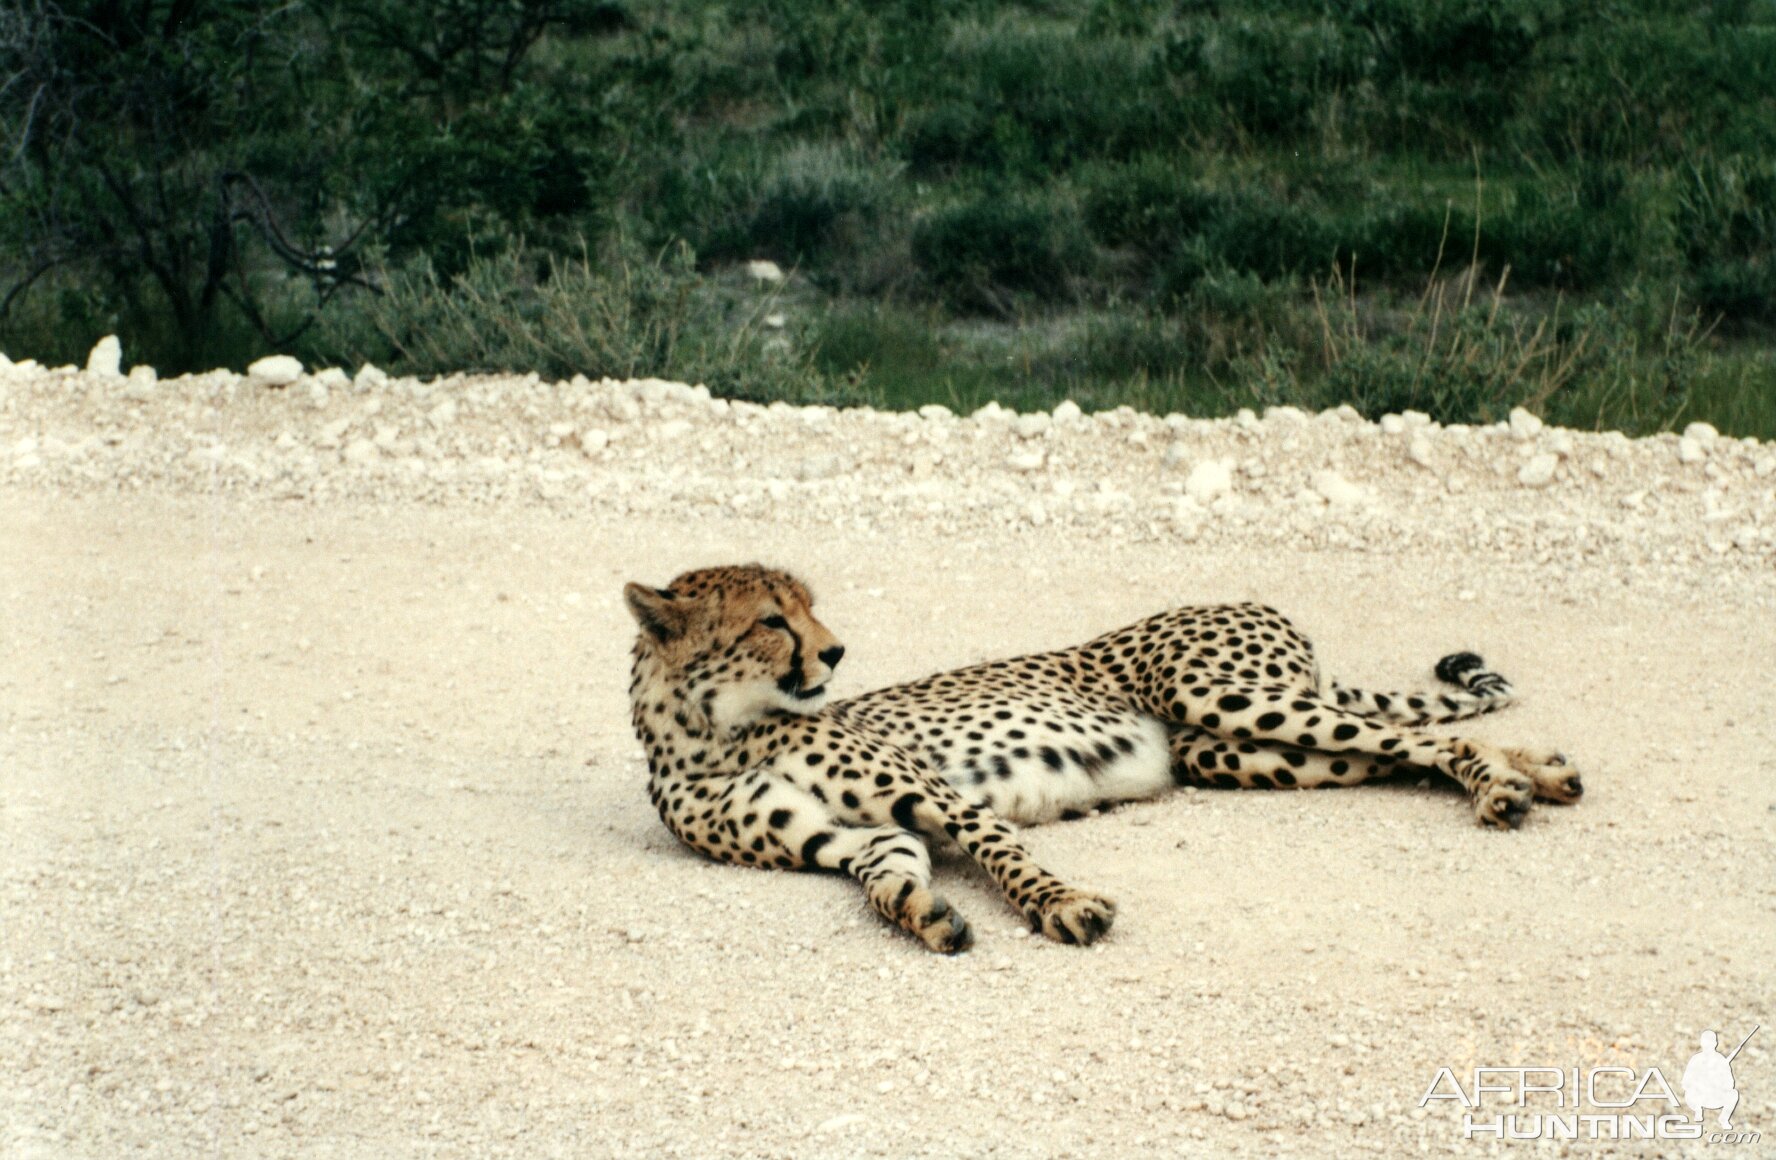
(1504, 801)
(1555, 778)
(1074, 917)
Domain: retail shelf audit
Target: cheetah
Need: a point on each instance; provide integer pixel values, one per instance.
(750, 764)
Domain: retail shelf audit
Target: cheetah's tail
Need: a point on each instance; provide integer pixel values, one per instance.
(1481, 691)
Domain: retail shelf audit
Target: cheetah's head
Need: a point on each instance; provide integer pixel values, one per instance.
(734, 643)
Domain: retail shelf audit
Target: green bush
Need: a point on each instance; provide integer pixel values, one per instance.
(1021, 98)
(1152, 204)
(1726, 216)
(622, 316)
(986, 253)
(819, 198)
(1264, 70)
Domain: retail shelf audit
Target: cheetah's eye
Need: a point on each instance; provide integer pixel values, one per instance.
(774, 622)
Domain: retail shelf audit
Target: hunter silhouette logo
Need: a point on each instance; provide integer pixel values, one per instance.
(1610, 1102)
(1708, 1080)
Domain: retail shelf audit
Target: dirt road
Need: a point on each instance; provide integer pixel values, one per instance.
(325, 835)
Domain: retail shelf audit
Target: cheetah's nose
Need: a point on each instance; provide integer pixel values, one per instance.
(830, 657)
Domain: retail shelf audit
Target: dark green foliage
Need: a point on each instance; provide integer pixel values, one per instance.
(995, 248)
(208, 180)
(1726, 223)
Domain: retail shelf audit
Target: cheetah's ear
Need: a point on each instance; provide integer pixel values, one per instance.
(660, 613)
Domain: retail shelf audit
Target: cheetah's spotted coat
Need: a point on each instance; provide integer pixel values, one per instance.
(750, 765)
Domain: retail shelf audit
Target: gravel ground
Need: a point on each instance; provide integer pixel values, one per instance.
(326, 835)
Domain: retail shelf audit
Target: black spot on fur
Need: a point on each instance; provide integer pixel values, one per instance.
(811, 848)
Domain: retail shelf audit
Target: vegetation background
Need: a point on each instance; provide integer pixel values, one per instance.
(1450, 205)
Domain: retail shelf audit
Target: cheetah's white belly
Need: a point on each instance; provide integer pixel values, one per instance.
(1030, 789)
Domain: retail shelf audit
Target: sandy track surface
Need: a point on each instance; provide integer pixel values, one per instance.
(325, 833)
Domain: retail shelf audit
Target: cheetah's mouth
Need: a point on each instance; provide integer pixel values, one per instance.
(791, 684)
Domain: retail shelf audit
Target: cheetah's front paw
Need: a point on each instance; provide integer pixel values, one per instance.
(937, 924)
(1074, 917)
(1555, 779)
(1504, 800)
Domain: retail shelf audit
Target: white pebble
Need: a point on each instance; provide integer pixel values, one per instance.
(1523, 424)
(1703, 433)
(1208, 480)
(1067, 412)
(361, 451)
(106, 358)
(1336, 489)
(764, 271)
(1539, 471)
(275, 370)
(1419, 451)
(1690, 451)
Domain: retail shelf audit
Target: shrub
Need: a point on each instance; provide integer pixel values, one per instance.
(816, 198)
(1263, 70)
(1023, 99)
(1153, 204)
(621, 316)
(1726, 214)
(986, 252)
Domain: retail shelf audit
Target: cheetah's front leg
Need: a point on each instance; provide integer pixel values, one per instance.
(760, 819)
(895, 872)
(1062, 912)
